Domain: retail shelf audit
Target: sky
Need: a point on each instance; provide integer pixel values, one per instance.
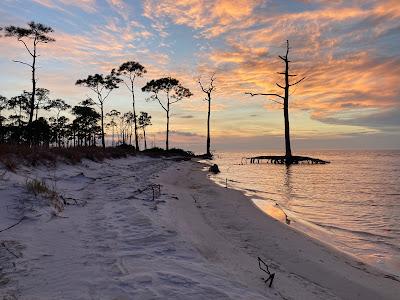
(348, 50)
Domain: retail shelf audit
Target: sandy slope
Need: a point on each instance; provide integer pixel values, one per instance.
(231, 232)
(119, 246)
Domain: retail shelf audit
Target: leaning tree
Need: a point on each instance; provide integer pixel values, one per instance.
(31, 37)
(284, 100)
(102, 85)
(208, 91)
(173, 92)
(130, 70)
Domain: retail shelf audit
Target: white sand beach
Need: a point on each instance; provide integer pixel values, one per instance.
(196, 240)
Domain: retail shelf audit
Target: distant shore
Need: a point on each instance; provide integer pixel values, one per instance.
(228, 227)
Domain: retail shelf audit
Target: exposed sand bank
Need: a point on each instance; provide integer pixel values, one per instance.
(195, 241)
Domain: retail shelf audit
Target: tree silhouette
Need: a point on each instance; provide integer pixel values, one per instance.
(58, 123)
(42, 100)
(3, 106)
(285, 98)
(174, 92)
(21, 106)
(102, 85)
(128, 122)
(85, 124)
(144, 121)
(35, 33)
(208, 91)
(130, 70)
(59, 129)
(112, 115)
(59, 105)
(40, 132)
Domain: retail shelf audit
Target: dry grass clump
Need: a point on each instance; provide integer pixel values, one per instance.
(40, 188)
(12, 155)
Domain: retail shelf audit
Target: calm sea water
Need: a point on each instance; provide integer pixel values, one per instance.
(352, 203)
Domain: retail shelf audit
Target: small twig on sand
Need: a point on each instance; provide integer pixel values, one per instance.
(264, 267)
(78, 203)
(9, 227)
(9, 251)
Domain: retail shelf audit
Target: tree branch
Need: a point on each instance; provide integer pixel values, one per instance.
(24, 63)
(109, 91)
(20, 40)
(171, 102)
(283, 58)
(262, 94)
(9, 227)
(159, 101)
(280, 86)
(283, 73)
(201, 86)
(297, 81)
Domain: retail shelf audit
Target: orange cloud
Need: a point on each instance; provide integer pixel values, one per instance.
(212, 17)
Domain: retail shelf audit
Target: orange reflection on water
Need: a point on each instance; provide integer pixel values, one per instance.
(271, 209)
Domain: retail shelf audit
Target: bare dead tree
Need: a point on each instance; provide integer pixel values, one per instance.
(284, 100)
(208, 91)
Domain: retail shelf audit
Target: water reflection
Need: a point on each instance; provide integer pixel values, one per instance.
(356, 198)
(287, 179)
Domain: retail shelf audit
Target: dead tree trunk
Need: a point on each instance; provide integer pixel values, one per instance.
(167, 133)
(284, 101)
(288, 149)
(208, 92)
(32, 103)
(134, 117)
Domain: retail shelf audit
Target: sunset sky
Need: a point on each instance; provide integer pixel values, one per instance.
(348, 51)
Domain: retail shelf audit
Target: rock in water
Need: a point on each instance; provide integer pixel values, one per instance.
(214, 168)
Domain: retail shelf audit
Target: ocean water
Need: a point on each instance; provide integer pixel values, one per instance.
(353, 203)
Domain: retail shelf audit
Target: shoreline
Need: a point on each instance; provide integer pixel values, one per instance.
(299, 259)
(272, 209)
(194, 240)
(346, 204)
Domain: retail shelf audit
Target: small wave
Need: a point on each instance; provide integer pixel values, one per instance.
(358, 232)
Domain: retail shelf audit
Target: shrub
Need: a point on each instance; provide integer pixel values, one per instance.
(155, 151)
(10, 154)
(9, 163)
(39, 187)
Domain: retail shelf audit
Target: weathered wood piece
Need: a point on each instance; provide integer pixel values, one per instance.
(281, 159)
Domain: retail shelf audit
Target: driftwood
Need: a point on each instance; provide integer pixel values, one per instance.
(9, 227)
(8, 250)
(154, 188)
(264, 267)
(76, 202)
(277, 159)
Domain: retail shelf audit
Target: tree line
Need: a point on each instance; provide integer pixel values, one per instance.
(22, 122)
